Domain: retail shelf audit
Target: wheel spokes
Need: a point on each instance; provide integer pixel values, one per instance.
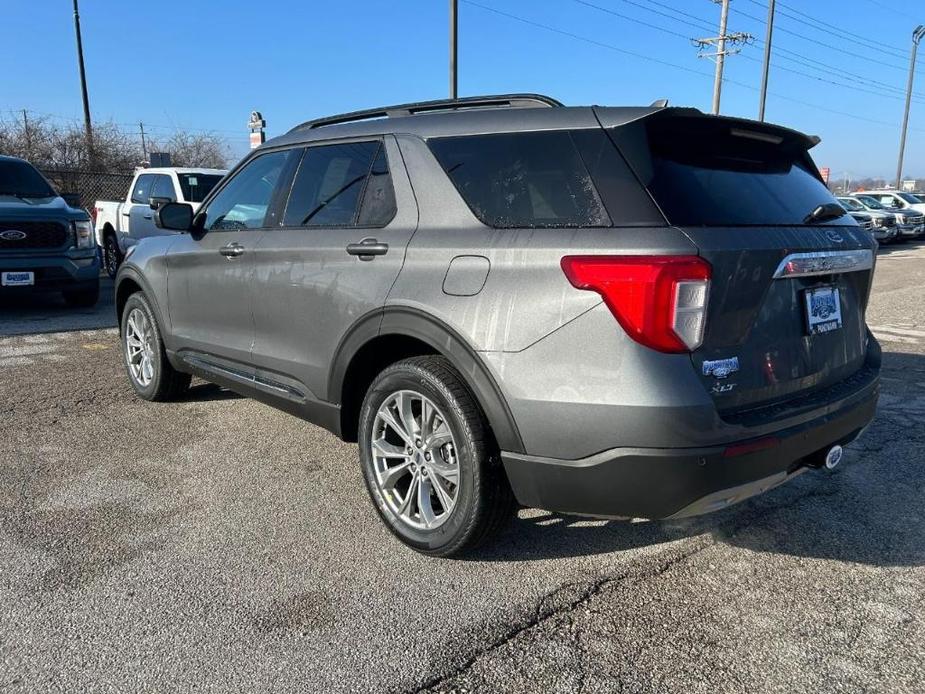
(413, 461)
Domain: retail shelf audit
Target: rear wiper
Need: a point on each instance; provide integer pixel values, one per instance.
(825, 213)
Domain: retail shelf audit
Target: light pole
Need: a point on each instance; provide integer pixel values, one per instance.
(454, 32)
(916, 37)
(88, 128)
(767, 60)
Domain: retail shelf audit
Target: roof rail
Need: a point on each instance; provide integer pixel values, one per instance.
(497, 101)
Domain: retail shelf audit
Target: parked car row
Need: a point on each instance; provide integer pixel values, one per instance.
(891, 216)
(48, 242)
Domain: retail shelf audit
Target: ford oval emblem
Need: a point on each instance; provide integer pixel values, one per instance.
(834, 236)
(12, 235)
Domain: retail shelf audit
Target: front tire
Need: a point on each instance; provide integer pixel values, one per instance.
(150, 373)
(112, 257)
(429, 460)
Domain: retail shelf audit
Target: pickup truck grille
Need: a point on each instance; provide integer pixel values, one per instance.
(32, 235)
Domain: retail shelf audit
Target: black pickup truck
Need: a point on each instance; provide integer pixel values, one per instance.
(45, 243)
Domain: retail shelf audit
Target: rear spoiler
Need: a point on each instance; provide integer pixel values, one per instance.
(610, 117)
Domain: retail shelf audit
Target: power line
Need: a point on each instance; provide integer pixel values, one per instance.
(891, 9)
(872, 87)
(829, 28)
(640, 56)
(853, 54)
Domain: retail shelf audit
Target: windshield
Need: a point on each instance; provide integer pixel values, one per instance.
(850, 204)
(704, 172)
(871, 203)
(21, 179)
(197, 186)
(909, 197)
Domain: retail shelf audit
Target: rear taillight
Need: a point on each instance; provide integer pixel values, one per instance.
(661, 301)
(93, 212)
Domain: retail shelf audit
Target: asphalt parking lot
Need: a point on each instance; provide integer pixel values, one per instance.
(217, 544)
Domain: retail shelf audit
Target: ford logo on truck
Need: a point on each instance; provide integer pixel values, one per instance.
(12, 235)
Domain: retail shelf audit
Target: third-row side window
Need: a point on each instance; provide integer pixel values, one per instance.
(524, 179)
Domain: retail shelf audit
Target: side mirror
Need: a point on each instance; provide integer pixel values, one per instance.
(157, 202)
(71, 199)
(175, 216)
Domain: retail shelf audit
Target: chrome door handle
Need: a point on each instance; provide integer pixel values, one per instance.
(367, 248)
(147, 216)
(232, 250)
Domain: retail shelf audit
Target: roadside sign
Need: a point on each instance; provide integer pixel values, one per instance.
(825, 171)
(909, 186)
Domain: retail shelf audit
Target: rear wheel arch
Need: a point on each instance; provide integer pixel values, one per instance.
(383, 338)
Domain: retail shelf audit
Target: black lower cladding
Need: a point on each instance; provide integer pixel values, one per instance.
(658, 483)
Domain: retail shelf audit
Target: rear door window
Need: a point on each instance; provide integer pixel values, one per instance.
(703, 172)
(163, 188)
(329, 185)
(197, 186)
(524, 179)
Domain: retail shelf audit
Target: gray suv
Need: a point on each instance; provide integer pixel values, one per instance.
(615, 312)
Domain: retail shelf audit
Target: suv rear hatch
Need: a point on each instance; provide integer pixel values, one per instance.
(789, 291)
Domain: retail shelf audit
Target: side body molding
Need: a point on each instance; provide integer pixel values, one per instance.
(411, 322)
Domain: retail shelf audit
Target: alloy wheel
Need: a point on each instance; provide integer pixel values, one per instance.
(139, 347)
(415, 460)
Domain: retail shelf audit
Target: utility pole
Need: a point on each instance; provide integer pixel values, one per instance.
(27, 133)
(916, 37)
(88, 128)
(767, 60)
(144, 146)
(721, 52)
(454, 25)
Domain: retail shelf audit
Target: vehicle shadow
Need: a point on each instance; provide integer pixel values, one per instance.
(871, 510)
(899, 246)
(28, 313)
(208, 392)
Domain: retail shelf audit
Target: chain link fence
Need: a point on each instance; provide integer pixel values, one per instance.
(90, 186)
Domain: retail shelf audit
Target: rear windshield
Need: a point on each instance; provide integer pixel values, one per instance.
(705, 172)
(21, 179)
(523, 179)
(196, 186)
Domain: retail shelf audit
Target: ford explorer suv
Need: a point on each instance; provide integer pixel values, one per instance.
(46, 245)
(640, 312)
(120, 225)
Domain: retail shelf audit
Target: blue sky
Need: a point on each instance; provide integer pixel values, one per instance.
(206, 64)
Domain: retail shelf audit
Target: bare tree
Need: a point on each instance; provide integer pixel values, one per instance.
(194, 149)
(50, 145)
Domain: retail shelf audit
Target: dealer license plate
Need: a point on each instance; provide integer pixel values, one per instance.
(823, 310)
(17, 279)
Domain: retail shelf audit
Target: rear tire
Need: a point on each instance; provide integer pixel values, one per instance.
(454, 443)
(149, 371)
(112, 257)
(83, 298)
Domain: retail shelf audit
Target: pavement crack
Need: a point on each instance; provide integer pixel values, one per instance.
(542, 614)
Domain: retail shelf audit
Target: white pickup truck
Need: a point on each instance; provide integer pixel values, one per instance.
(120, 225)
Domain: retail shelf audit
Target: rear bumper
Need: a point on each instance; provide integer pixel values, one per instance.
(663, 483)
(74, 270)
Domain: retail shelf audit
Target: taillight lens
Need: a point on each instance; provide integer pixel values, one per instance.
(661, 301)
(93, 213)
